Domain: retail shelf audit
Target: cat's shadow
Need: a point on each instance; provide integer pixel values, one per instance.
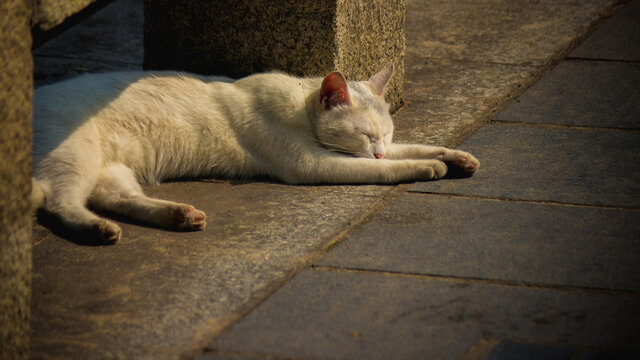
(88, 238)
(454, 173)
(56, 227)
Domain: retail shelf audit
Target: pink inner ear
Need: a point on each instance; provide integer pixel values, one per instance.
(334, 90)
(380, 79)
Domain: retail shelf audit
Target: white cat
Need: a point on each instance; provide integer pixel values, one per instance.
(97, 137)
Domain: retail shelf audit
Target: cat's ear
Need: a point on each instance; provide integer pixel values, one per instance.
(380, 79)
(333, 91)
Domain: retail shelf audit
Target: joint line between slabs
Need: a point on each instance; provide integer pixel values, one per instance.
(101, 61)
(526, 201)
(601, 60)
(240, 354)
(495, 122)
(476, 280)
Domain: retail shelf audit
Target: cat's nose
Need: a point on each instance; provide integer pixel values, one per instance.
(378, 156)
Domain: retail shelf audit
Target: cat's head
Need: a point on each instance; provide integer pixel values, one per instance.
(353, 117)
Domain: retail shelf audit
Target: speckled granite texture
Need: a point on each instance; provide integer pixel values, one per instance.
(49, 13)
(306, 37)
(16, 91)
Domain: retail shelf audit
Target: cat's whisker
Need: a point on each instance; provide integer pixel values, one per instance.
(340, 148)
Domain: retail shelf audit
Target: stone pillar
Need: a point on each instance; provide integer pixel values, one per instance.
(16, 89)
(301, 37)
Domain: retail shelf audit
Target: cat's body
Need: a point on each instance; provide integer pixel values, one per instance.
(97, 137)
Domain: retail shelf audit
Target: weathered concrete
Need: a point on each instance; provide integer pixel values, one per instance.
(617, 39)
(160, 294)
(109, 40)
(446, 98)
(470, 58)
(516, 242)
(576, 166)
(310, 38)
(347, 315)
(15, 178)
(501, 31)
(583, 94)
(49, 13)
(163, 294)
(479, 275)
(515, 350)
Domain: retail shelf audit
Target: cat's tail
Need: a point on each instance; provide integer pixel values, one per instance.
(37, 195)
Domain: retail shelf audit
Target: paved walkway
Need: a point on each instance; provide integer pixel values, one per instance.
(533, 257)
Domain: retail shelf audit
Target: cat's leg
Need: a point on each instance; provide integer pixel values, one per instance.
(67, 202)
(452, 157)
(67, 177)
(118, 191)
(342, 169)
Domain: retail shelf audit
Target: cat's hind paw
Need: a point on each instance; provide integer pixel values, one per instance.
(107, 231)
(188, 217)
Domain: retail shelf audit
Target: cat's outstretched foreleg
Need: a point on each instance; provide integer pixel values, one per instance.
(341, 169)
(118, 191)
(452, 157)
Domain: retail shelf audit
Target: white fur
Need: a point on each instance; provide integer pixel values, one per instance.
(98, 137)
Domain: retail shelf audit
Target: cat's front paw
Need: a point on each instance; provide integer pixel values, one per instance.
(461, 160)
(189, 218)
(434, 169)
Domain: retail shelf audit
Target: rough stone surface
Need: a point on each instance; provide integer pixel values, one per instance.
(516, 350)
(577, 166)
(469, 59)
(446, 98)
(617, 39)
(108, 40)
(177, 290)
(16, 84)
(501, 31)
(160, 294)
(329, 315)
(308, 38)
(517, 242)
(581, 93)
(49, 13)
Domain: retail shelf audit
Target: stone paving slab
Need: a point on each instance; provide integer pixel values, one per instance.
(600, 94)
(578, 166)
(500, 31)
(447, 98)
(499, 240)
(515, 350)
(110, 39)
(343, 315)
(48, 70)
(160, 294)
(616, 39)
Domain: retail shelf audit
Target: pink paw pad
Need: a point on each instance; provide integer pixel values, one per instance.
(108, 231)
(188, 217)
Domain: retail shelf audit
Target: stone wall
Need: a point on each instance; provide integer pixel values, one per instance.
(16, 92)
(16, 83)
(301, 37)
(49, 13)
